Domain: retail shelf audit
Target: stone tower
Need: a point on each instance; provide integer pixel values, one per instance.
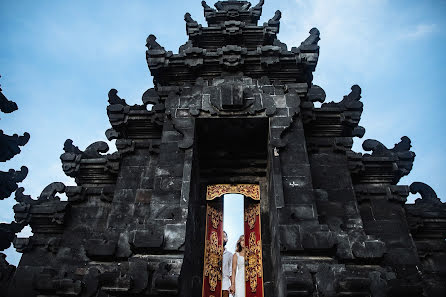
(233, 112)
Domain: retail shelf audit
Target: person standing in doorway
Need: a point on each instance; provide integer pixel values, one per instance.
(238, 269)
(227, 267)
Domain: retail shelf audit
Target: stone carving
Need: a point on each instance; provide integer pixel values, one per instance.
(113, 98)
(428, 195)
(349, 102)
(400, 154)
(316, 94)
(103, 168)
(6, 105)
(151, 43)
(233, 28)
(313, 39)
(231, 56)
(9, 181)
(46, 214)
(192, 26)
(10, 145)
(7, 234)
(275, 20)
(206, 7)
(258, 5)
(233, 106)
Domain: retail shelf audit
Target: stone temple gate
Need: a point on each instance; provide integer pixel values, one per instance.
(233, 112)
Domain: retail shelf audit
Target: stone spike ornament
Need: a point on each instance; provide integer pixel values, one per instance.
(232, 111)
(9, 147)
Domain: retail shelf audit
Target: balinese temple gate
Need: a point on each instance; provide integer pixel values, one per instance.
(233, 112)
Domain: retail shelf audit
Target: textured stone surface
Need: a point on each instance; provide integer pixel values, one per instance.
(234, 105)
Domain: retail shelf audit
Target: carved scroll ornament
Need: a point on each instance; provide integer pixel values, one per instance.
(254, 268)
(216, 216)
(251, 214)
(248, 190)
(213, 260)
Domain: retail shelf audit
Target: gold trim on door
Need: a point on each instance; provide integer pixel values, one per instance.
(248, 190)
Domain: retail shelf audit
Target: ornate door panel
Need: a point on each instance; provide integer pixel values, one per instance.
(212, 272)
(213, 254)
(253, 249)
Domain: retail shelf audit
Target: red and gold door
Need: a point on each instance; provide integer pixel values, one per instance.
(253, 249)
(213, 255)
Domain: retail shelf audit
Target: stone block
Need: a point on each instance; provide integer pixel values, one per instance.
(144, 240)
(143, 196)
(174, 237)
(290, 238)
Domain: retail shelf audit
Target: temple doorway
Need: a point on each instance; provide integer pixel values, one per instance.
(246, 196)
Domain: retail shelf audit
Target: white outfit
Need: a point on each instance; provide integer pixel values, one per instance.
(240, 277)
(227, 270)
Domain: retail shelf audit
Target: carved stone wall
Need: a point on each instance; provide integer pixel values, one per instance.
(233, 106)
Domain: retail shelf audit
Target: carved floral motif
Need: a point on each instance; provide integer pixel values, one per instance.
(254, 256)
(248, 190)
(251, 214)
(216, 216)
(213, 260)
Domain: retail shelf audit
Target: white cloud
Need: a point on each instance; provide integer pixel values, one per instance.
(419, 31)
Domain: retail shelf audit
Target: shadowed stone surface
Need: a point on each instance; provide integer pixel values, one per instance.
(234, 105)
(9, 147)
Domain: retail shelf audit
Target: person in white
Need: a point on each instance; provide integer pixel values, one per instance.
(227, 267)
(238, 269)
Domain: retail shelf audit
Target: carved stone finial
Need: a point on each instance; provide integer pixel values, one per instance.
(10, 145)
(151, 43)
(95, 149)
(9, 181)
(400, 154)
(50, 191)
(6, 105)
(69, 147)
(113, 98)
(259, 5)
(7, 234)
(350, 101)
(428, 195)
(313, 39)
(205, 6)
(188, 18)
(20, 197)
(403, 145)
(375, 146)
(316, 94)
(276, 18)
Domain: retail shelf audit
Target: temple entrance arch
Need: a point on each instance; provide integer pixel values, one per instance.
(213, 252)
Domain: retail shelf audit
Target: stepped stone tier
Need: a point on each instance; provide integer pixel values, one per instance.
(234, 110)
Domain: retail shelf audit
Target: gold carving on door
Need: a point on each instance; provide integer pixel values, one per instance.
(216, 216)
(254, 256)
(213, 260)
(251, 213)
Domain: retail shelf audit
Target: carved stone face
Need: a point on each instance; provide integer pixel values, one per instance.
(233, 28)
(194, 57)
(231, 56)
(231, 96)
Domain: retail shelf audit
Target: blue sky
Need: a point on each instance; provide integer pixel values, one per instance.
(58, 60)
